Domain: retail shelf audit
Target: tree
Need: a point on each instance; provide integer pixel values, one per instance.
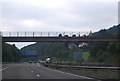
(10, 53)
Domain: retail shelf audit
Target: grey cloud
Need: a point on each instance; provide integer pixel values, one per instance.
(20, 11)
(97, 14)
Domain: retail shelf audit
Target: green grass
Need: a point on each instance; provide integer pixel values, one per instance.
(86, 55)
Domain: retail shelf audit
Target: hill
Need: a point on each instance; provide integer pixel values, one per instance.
(111, 32)
(105, 51)
(56, 50)
(96, 51)
(10, 53)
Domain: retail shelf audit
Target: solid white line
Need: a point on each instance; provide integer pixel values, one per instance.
(68, 73)
(3, 69)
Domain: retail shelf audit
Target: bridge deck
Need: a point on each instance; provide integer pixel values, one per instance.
(57, 39)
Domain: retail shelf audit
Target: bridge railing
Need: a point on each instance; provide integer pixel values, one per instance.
(43, 34)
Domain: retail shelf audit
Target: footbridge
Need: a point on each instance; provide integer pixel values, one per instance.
(52, 37)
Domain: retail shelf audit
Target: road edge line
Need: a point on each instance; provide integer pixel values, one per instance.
(69, 73)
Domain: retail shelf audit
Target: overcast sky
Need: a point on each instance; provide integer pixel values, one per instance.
(57, 15)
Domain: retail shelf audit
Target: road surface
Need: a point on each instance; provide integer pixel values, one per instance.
(35, 71)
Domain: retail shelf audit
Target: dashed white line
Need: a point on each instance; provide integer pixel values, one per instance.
(32, 71)
(38, 64)
(3, 69)
(38, 75)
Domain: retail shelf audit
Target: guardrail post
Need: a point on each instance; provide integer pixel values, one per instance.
(71, 34)
(41, 34)
(63, 33)
(56, 34)
(0, 33)
(33, 34)
(17, 34)
(25, 34)
(87, 33)
(0, 55)
(10, 34)
(48, 34)
(79, 34)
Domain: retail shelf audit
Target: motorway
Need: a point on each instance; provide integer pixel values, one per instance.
(35, 71)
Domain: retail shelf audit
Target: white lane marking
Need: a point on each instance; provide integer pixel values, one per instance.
(3, 69)
(32, 71)
(68, 73)
(38, 75)
(38, 64)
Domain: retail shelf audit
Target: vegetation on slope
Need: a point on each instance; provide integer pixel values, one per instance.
(107, 52)
(96, 51)
(10, 53)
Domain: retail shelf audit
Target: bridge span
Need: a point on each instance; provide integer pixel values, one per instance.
(52, 37)
(55, 39)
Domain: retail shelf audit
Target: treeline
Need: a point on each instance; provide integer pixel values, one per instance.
(107, 52)
(10, 53)
(99, 51)
(56, 50)
(60, 51)
(111, 32)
